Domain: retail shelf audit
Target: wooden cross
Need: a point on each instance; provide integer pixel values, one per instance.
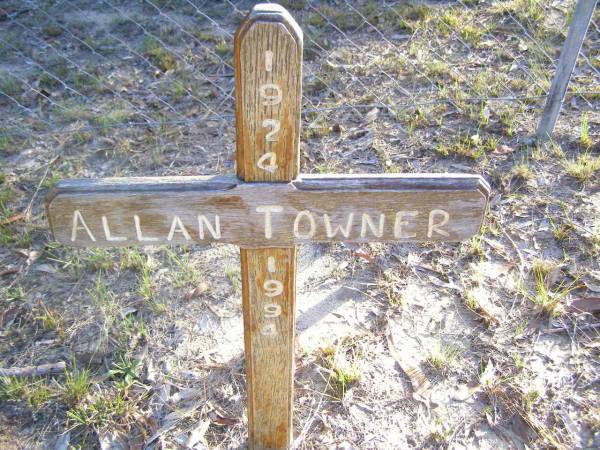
(266, 210)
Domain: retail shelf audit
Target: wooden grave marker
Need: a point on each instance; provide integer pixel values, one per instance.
(266, 210)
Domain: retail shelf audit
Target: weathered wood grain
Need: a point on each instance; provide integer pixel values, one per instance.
(268, 69)
(160, 203)
(269, 328)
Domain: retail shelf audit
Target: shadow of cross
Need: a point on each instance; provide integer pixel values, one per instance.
(266, 210)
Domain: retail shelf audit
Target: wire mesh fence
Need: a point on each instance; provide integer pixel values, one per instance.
(155, 78)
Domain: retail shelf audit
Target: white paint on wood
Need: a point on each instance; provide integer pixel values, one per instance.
(268, 60)
(272, 310)
(299, 203)
(271, 264)
(214, 231)
(311, 223)
(301, 226)
(331, 232)
(178, 227)
(268, 75)
(110, 237)
(368, 222)
(400, 222)
(269, 330)
(274, 125)
(138, 231)
(267, 210)
(433, 226)
(268, 34)
(271, 162)
(273, 288)
(77, 218)
(270, 99)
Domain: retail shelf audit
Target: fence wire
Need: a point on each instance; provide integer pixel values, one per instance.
(86, 70)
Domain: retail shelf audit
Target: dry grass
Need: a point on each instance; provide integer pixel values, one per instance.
(492, 349)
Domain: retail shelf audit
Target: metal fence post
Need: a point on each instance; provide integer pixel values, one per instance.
(564, 70)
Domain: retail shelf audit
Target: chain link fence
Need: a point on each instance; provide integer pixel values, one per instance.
(155, 78)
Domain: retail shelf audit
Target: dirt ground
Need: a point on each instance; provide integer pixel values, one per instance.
(489, 344)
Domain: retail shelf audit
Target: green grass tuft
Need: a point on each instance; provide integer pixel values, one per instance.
(76, 385)
(583, 168)
(160, 57)
(584, 134)
(35, 391)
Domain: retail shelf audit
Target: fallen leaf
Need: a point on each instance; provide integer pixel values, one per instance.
(593, 287)
(163, 392)
(488, 376)
(418, 380)
(33, 256)
(185, 394)
(570, 425)
(8, 315)
(47, 268)
(147, 423)
(341, 266)
(128, 311)
(502, 150)
(521, 428)
(488, 317)
(485, 308)
(9, 271)
(220, 419)
(586, 304)
(497, 246)
(463, 392)
(135, 440)
(12, 219)
(151, 372)
(505, 434)
(439, 283)
(112, 440)
(371, 116)
(170, 421)
(363, 254)
(195, 292)
(197, 435)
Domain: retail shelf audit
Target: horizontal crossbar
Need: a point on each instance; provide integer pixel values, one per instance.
(313, 208)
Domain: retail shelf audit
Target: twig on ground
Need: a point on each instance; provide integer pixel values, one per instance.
(9, 271)
(12, 219)
(517, 250)
(590, 326)
(33, 371)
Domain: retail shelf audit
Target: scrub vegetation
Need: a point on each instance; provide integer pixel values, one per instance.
(489, 343)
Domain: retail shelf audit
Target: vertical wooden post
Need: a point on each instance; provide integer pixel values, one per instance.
(564, 69)
(268, 71)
